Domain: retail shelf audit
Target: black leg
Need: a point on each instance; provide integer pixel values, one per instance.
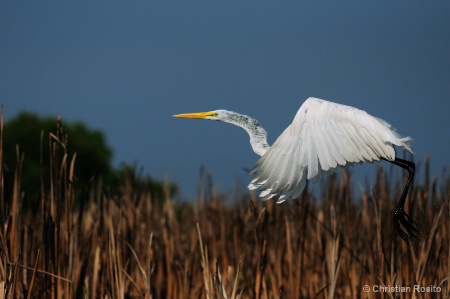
(400, 217)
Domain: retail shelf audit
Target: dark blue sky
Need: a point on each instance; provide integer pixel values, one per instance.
(124, 67)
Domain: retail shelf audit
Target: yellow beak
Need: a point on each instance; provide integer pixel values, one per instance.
(196, 114)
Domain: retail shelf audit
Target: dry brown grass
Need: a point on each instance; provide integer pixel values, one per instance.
(129, 245)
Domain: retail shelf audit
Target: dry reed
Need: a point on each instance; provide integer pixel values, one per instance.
(130, 245)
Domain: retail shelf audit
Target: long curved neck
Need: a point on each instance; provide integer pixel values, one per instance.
(258, 136)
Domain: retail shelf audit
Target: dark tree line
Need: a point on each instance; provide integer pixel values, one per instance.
(29, 135)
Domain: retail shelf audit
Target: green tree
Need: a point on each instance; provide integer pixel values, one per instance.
(93, 153)
(93, 159)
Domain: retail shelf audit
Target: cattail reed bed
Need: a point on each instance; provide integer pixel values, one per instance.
(89, 242)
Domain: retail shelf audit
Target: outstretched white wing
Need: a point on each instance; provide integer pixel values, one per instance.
(322, 137)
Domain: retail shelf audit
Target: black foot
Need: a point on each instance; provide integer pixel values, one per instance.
(400, 217)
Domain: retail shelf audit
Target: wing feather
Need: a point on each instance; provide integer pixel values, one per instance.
(343, 148)
(287, 169)
(322, 137)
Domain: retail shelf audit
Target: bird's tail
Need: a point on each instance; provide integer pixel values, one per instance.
(405, 143)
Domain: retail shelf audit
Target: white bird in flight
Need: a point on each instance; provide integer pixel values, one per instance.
(322, 137)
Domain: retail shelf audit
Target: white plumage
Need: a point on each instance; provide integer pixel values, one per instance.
(322, 137)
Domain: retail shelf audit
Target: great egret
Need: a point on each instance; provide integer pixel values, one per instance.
(322, 137)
